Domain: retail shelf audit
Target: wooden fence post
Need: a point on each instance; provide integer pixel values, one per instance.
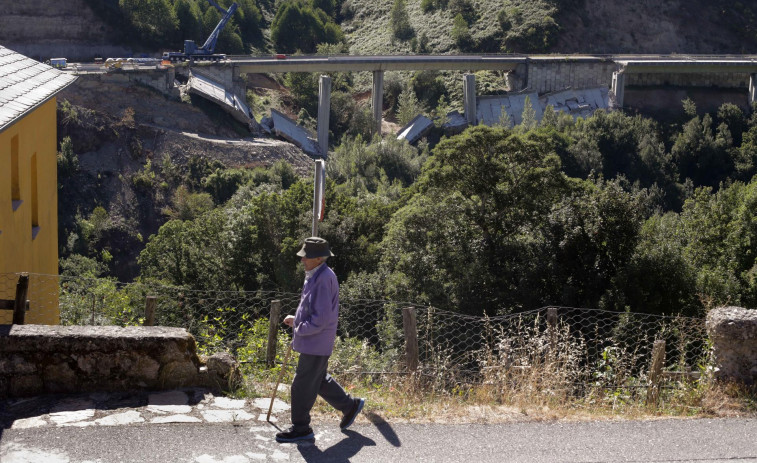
(273, 329)
(429, 332)
(150, 303)
(411, 338)
(92, 313)
(19, 305)
(655, 372)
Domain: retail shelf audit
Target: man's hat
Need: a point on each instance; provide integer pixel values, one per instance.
(315, 247)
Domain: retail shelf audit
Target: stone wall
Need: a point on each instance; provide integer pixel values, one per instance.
(161, 80)
(38, 359)
(733, 333)
(544, 76)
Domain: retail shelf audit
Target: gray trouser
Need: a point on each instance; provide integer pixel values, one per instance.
(310, 381)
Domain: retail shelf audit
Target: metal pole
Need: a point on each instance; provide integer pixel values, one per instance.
(317, 195)
(324, 109)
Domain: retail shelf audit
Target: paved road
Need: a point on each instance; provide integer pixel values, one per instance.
(701, 440)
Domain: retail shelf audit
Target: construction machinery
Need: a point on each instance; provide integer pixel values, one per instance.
(205, 52)
(59, 63)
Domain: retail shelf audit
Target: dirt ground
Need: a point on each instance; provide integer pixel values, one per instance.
(174, 128)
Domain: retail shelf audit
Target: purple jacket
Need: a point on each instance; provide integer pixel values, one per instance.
(316, 317)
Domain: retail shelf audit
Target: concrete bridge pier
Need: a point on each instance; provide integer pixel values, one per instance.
(752, 88)
(378, 100)
(619, 87)
(469, 98)
(324, 108)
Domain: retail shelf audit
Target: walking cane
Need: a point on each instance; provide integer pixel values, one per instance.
(278, 381)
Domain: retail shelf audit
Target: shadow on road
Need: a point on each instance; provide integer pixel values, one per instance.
(342, 451)
(384, 428)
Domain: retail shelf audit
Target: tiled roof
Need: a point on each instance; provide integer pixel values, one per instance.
(25, 84)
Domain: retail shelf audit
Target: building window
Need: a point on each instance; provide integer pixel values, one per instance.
(15, 186)
(35, 198)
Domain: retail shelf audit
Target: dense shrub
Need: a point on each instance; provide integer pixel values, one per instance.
(300, 27)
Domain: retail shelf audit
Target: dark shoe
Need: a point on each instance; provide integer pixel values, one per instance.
(291, 435)
(349, 417)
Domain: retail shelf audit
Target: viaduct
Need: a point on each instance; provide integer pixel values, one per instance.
(533, 73)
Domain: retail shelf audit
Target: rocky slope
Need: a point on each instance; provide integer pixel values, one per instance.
(43, 29)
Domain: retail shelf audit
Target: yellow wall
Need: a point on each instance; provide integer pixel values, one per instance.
(33, 140)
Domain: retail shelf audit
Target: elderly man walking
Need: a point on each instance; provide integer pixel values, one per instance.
(314, 328)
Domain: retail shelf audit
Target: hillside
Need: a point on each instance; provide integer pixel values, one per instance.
(587, 26)
(134, 148)
(43, 28)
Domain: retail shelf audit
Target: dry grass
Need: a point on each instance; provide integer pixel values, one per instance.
(526, 370)
(405, 401)
(528, 374)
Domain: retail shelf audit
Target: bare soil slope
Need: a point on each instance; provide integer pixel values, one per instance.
(646, 26)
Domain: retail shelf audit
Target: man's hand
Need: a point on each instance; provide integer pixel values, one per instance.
(289, 321)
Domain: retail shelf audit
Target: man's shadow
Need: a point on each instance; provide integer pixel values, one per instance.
(342, 451)
(384, 428)
(347, 448)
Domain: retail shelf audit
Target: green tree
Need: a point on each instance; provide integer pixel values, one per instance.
(719, 235)
(189, 17)
(549, 118)
(210, 19)
(361, 167)
(191, 253)
(528, 26)
(154, 20)
(590, 240)
(223, 183)
(746, 161)
(659, 278)
(400, 21)
(303, 87)
(464, 8)
(188, 206)
(408, 106)
(614, 144)
(68, 161)
(702, 156)
(327, 6)
(428, 86)
(297, 26)
(461, 33)
(528, 117)
(249, 20)
(468, 235)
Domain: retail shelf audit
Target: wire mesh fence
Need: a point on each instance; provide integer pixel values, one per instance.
(577, 349)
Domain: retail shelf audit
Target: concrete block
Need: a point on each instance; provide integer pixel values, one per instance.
(416, 129)
(733, 333)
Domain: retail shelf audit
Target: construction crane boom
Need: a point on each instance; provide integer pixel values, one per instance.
(204, 53)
